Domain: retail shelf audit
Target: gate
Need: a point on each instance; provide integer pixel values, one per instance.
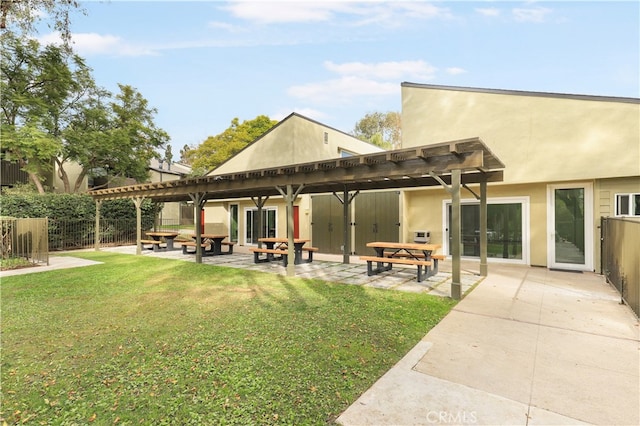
(327, 223)
(620, 254)
(25, 238)
(377, 219)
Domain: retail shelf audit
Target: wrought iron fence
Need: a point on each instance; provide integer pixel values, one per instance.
(25, 238)
(76, 234)
(620, 258)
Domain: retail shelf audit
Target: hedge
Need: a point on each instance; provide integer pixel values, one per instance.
(72, 207)
(72, 217)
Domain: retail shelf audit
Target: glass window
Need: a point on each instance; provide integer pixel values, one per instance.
(233, 222)
(269, 221)
(504, 230)
(627, 204)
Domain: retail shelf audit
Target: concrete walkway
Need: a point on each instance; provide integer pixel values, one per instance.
(528, 346)
(55, 263)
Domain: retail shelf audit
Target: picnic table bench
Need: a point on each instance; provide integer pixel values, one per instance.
(419, 255)
(278, 246)
(155, 244)
(212, 243)
(282, 254)
(434, 259)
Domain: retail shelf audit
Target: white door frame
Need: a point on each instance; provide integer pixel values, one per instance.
(526, 239)
(588, 226)
(254, 210)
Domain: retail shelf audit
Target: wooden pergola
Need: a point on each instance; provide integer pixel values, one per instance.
(454, 165)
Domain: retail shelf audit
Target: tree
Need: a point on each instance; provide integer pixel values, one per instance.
(23, 15)
(168, 155)
(111, 139)
(382, 129)
(185, 156)
(35, 84)
(217, 149)
(49, 95)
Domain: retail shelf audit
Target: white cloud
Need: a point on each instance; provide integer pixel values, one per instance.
(358, 81)
(423, 10)
(455, 71)
(226, 27)
(536, 15)
(354, 13)
(342, 90)
(314, 114)
(489, 11)
(280, 12)
(88, 44)
(384, 70)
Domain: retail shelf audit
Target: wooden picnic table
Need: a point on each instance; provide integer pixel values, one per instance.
(168, 236)
(388, 253)
(216, 242)
(274, 243)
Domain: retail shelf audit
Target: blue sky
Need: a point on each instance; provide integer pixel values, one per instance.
(203, 63)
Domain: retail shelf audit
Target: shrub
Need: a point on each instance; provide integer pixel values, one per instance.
(73, 207)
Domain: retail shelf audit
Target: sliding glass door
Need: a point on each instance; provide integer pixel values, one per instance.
(507, 229)
(251, 224)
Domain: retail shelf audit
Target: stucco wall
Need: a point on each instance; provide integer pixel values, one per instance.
(424, 210)
(294, 140)
(538, 138)
(73, 170)
(218, 212)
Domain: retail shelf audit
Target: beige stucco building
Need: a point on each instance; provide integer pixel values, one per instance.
(570, 159)
(295, 139)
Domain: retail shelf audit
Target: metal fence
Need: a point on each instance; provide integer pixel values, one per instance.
(621, 258)
(25, 238)
(76, 234)
(34, 238)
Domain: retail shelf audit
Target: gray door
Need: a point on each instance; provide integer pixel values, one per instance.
(377, 218)
(327, 224)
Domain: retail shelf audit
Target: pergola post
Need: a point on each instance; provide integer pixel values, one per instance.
(259, 203)
(97, 230)
(456, 241)
(289, 197)
(346, 200)
(198, 199)
(137, 201)
(483, 229)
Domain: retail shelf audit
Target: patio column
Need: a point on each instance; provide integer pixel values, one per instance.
(456, 241)
(198, 199)
(289, 197)
(482, 198)
(259, 202)
(97, 230)
(137, 201)
(483, 228)
(346, 240)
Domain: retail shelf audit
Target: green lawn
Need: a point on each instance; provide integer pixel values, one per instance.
(143, 340)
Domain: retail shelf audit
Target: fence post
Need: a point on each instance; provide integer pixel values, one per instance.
(96, 233)
(137, 201)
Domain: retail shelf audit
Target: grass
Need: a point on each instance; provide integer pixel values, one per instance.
(9, 263)
(139, 340)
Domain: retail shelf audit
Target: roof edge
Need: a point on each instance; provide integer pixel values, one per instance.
(524, 93)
